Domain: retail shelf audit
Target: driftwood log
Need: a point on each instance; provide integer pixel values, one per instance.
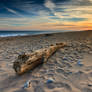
(26, 61)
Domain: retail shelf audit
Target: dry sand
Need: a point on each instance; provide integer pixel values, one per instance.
(70, 67)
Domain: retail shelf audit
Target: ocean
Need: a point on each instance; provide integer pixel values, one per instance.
(24, 33)
(20, 33)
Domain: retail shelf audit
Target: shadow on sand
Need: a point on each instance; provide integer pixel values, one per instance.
(13, 81)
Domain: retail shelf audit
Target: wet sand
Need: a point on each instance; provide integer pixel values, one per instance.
(70, 67)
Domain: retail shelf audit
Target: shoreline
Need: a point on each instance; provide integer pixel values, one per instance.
(65, 35)
(53, 32)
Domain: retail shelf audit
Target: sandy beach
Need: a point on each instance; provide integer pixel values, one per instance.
(70, 67)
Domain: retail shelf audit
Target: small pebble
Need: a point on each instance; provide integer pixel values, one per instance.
(79, 63)
(27, 84)
(65, 59)
(50, 81)
(90, 85)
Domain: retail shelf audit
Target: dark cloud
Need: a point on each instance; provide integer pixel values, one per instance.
(59, 1)
(75, 19)
(85, 3)
(60, 9)
(80, 2)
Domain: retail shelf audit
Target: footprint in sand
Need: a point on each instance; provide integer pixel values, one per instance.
(87, 90)
(38, 89)
(65, 85)
(59, 85)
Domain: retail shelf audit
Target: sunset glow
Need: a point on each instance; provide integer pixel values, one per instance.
(45, 14)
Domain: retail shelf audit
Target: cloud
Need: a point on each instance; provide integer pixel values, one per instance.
(83, 2)
(51, 14)
(77, 2)
(72, 10)
(50, 4)
(58, 24)
(13, 12)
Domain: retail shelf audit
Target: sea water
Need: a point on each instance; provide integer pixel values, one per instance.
(24, 33)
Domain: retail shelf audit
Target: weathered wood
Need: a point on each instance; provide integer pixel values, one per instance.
(27, 61)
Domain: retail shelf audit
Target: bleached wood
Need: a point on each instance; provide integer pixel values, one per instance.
(29, 61)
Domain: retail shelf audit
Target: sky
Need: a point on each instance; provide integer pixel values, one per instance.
(46, 15)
